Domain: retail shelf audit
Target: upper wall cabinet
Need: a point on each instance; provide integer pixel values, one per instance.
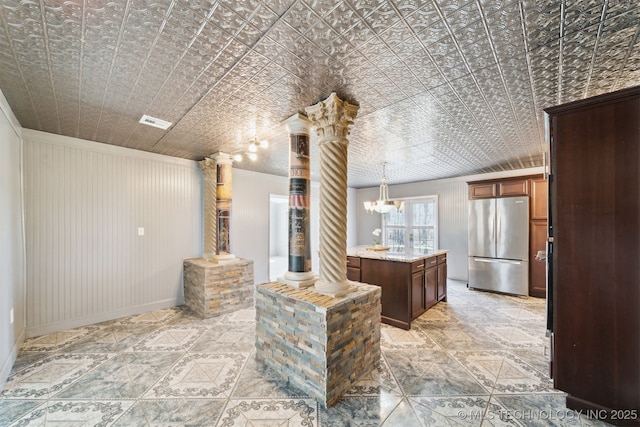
(516, 187)
(499, 188)
(539, 191)
(482, 190)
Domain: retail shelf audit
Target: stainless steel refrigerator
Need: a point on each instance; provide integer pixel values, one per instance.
(499, 245)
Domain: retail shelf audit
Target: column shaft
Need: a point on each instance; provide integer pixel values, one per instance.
(332, 118)
(209, 167)
(299, 261)
(224, 195)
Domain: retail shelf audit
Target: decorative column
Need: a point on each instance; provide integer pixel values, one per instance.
(299, 274)
(209, 168)
(332, 118)
(224, 192)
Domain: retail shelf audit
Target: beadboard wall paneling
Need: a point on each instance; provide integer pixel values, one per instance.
(452, 213)
(85, 204)
(12, 254)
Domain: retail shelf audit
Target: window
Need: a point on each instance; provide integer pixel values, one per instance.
(414, 228)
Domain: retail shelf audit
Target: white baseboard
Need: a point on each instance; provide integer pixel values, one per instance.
(7, 364)
(64, 325)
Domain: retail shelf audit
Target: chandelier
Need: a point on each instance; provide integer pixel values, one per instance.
(383, 205)
(252, 150)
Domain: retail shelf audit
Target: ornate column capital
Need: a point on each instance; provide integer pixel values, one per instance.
(332, 117)
(208, 167)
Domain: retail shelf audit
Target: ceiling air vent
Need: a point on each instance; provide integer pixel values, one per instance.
(152, 121)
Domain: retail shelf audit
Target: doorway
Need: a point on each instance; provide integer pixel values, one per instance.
(278, 235)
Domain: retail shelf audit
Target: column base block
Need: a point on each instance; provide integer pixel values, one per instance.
(322, 345)
(334, 290)
(212, 288)
(223, 257)
(297, 283)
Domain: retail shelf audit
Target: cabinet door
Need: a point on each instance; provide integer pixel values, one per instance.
(538, 269)
(518, 187)
(539, 191)
(482, 191)
(595, 210)
(353, 273)
(430, 286)
(394, 278)
(442, 282)
(417, 294)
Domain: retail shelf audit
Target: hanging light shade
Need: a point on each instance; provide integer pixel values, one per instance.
(383, 205)
(252, 150)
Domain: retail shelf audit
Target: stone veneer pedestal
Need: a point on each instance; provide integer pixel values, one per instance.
(322, 345)
(212, 289)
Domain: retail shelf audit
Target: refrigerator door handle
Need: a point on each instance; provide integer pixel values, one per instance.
(500, 261)
(494, 226)
(493, 231)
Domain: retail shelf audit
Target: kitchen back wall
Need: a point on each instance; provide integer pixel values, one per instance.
(452, 213)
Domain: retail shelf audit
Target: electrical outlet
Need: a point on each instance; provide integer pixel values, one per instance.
(11, 315)
(140, 231)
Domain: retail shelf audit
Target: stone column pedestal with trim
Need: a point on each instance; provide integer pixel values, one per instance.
(212, 289)
(323, 345)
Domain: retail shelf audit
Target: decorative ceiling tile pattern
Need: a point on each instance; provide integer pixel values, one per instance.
(445, 87)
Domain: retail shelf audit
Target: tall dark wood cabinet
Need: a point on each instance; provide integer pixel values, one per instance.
(595, 254)
(538, 236)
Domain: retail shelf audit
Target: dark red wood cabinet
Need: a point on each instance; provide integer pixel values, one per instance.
(442, 278)
(408, 288)
(353, 268)
(594, 197)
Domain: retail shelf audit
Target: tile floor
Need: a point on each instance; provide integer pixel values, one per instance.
(474, 360)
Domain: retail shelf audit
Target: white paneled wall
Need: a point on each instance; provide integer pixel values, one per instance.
(86, 205)
(12, 256)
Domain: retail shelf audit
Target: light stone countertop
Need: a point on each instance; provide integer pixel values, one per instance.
(408, 256)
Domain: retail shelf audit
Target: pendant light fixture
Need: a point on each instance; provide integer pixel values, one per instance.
(252, 150)
(383, 205)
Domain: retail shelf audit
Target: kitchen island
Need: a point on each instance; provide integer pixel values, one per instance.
(411, 282)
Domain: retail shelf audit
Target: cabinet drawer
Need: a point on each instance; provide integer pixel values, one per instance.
(430, 262)
(417, 266)
(442, 259)
(353, 261)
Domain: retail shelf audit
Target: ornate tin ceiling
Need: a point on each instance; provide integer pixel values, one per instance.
(445, 87)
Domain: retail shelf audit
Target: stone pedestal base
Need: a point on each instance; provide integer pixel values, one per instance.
(322, 345)
(212, 289)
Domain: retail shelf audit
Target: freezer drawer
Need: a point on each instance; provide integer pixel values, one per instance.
(508, 276)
